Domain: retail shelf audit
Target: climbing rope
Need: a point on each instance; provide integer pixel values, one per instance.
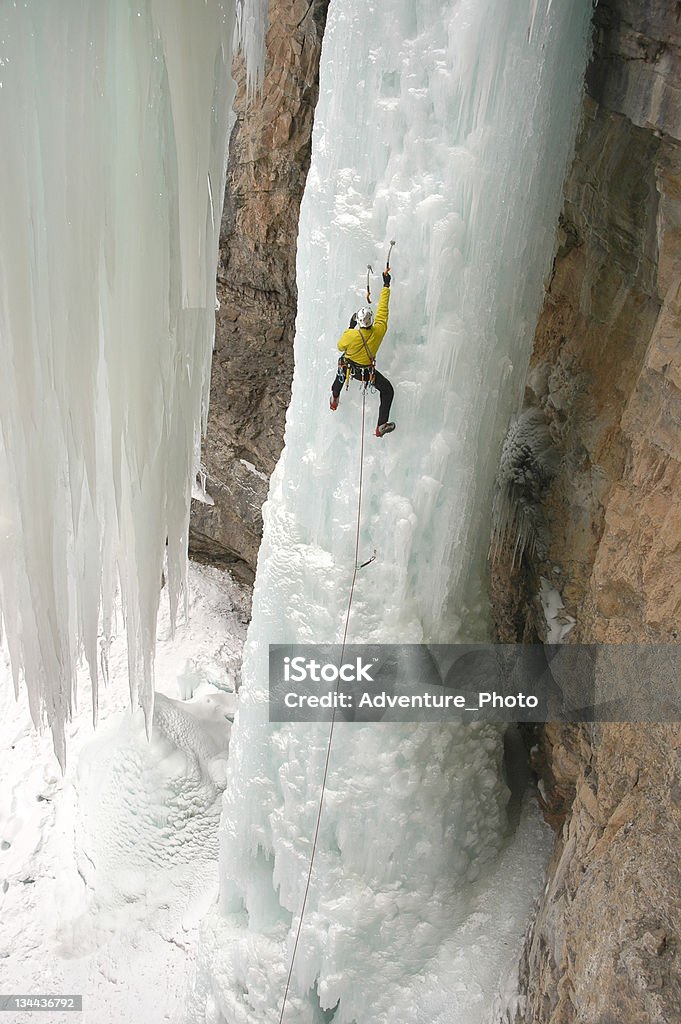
(356, 569)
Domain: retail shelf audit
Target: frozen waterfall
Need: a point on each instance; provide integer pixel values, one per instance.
(114, 120)
(447, 125)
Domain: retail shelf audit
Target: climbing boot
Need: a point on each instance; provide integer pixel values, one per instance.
(333, 403)
(384, 428)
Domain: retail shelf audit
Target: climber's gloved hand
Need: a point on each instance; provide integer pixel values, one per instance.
(386, 278)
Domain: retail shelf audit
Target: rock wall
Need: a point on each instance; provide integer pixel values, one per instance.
(269, 158)
(605, 946)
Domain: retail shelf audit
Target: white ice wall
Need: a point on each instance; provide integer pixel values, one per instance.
(447, 125)
(114, 120)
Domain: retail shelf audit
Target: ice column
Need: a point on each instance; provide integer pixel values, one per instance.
(114, 120)
(447, 125)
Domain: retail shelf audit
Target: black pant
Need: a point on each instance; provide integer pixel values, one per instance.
(362, 373)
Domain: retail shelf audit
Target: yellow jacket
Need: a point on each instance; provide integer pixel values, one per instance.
(351, 343)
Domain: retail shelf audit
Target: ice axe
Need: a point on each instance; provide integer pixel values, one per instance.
(368, 561)
(370, 269)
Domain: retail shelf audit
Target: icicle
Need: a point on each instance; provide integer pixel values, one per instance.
(527, 465)
(114, 118)
(251, 30)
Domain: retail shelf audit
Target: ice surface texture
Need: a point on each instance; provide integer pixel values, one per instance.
(148, 812)
(447, 125)
(137, 819)
(114, 120)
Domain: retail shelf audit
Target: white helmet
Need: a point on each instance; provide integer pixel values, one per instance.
(364, 317)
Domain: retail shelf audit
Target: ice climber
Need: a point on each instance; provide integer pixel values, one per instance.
(359, 345)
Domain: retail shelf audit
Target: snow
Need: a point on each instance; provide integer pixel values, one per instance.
(558, 622)
(115, 120)
(443, 126)
(252, 469)
(105, 872)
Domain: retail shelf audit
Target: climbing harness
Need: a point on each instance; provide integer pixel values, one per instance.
(345, 373)
(357, 567)
(347, 368)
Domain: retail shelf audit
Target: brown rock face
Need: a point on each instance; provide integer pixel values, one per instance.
(269, 157)
(605, 946)
(638, 68)
(590, 364)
